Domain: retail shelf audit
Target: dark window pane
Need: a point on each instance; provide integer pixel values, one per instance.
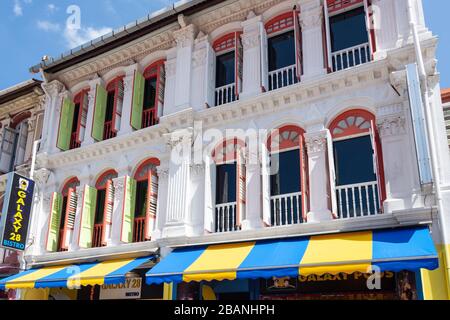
(63, 213)
(348, 29)
(281, 51)
(100, 207)
(354, 161)
(225, 69)
(110, 106)
(141, 198)
(150, 93)
(75, 117)
(226, 183)
(287, 180)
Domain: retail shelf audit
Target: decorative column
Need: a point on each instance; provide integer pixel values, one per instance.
(185, 45)
(196, 198)
(51, 117)
(169, 90)
(40, 213)
(119, 185)
(319, 194)
(31, 122)
(161, 206)
(251, 42)
(178, 210)
(88, 140)
(401, 180)
(199, 66)
(311, 19)
(125, 123)
(253, 206)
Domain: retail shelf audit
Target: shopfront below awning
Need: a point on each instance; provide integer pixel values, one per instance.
(74, 276)
(393, 250)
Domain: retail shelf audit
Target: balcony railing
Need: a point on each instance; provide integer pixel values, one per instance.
(74, 144)
(286, 209)
(358, 200)
(108, 132)
(226, 94)
(149, 118)
(225, 219)
(139, 229)
(97, 235)
(283, 77)
(351, 57)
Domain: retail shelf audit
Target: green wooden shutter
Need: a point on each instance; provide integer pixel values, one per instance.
(138, 100)
(65, 125)
(54, 223)
(128, 210)
(87, 217)
(101, 98)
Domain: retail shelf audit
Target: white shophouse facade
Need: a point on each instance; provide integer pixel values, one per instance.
(328, 95)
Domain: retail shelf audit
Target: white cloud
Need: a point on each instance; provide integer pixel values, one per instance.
(77, 37)
(18, 11)
(52, 8)
(48, 26)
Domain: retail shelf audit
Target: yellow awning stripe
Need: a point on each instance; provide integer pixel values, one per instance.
(96, 275)
(27, 281)
(218, 262)
(348, 247)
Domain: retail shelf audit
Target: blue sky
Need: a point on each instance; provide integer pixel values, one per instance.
(30, 29)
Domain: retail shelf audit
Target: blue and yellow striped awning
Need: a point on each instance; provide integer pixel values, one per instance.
(391, 250)
(74, 276)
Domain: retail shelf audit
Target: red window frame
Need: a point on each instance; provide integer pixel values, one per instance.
(289, 144)
(153, 71)
(113, 86)
(354, 130)
(103, 182)
(70, 185)
(144, 173)
(338, 5)
(230, 42)
(75, 141)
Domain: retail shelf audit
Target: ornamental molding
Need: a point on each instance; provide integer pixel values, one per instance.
(29, 102)
(171, 68)
(128, 83)
(42, 175)
(137, 139)
(197, 170)
(185, 36)
(119, 185)
(250, 40)
(199, 58)
(311, 18)
(316, 142)
(53, 88)
(163, 172)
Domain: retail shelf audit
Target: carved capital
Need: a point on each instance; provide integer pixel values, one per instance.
(53, 88)
(41, 176)
(185, 36)
(197, 170)
(250, 40)
(171, 68)
(398, 80)
(316, 142)
(392, 125)
(311, 18)
(163, 172)
(128, 83)
(199, 58)
(119, 185)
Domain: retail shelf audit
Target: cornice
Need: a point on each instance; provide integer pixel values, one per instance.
(138, 139)
(24, 103)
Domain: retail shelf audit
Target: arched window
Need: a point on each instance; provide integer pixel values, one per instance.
(358, 165)
(227, 177)
(72, 124)
(344, 17)
(148, 96)
(69, 207)
(228, 72)
(146, 200)
(285, 177)
(114, 107)
(103, 208)
(283, 48)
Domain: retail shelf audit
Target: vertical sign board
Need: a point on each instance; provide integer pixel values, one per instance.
(16, 212)
(419, 125)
